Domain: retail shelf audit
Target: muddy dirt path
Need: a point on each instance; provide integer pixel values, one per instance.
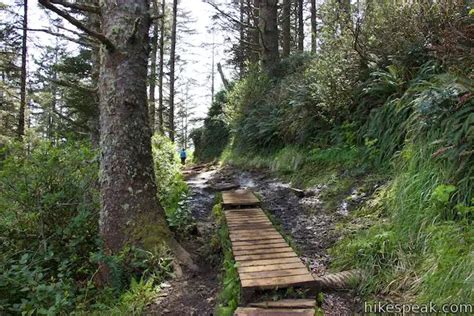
(301, 217)
(194, 294)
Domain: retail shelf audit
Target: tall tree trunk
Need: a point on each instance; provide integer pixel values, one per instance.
(242, 48)
(172, 71)
(286, 26)
(154, 49)
(21, 116)
(93, 119)
(255, 57)
(314, 27)
(162, 71)
(269, 35)
(213, 51)
(130, 211)
(223, 78)
(300, 26)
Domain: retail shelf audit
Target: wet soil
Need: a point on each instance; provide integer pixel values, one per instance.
(194, 293)
(301, 216)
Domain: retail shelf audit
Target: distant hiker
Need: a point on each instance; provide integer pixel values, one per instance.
(182, 154)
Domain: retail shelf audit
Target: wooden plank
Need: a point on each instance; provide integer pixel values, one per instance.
(269, 262)
(271, 231)
(258, 242)
(252, 222)
(260, 246)
(263, 231)
(239, 197)
(256, 237)
(249, 227)
(248, 209)
(254, 311)
(238, 252)
(271, 267)
(251, 234)
(248, 220)
(287, 303)
(288, 254)
(272, 274)
(247, 216)
(242, 212)
(279, 282)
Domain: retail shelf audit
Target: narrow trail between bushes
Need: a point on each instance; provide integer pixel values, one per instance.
(302, 218)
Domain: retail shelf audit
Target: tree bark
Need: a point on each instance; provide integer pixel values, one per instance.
(300, 26)
(242, 45)
(255, 57)
(130, 211)
(93, 120)
(162, 71)
(269, 35)
(314, 27)
(21, 116)
(172, 71)
(223, 78)
(286, 26)
(154, 49)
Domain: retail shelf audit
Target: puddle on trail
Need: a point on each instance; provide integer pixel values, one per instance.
(201, 198)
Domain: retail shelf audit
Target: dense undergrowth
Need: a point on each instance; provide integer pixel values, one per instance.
(49, 244)
(396, 121)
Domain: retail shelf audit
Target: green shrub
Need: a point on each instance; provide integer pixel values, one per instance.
(50, 249)
(172, 190)
(49, 224)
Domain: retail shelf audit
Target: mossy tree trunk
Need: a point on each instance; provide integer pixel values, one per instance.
(130, 212)
(154, 50)
(21, 115)
(172, 71)
(286, 27)
(268, 26)
(300, 26)
(314, 27)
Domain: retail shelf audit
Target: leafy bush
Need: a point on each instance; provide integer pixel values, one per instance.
(48, 227)
(50, 248)
(172, 190)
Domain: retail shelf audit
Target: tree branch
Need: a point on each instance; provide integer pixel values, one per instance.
(64, 117)
(230, 17)
(74, 85)
(99, 36)
(78, 6)
(75, 40)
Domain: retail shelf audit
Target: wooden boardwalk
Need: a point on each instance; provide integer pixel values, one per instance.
(265, 260)
(238, 199)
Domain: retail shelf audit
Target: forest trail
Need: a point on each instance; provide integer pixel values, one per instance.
(311, 229)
